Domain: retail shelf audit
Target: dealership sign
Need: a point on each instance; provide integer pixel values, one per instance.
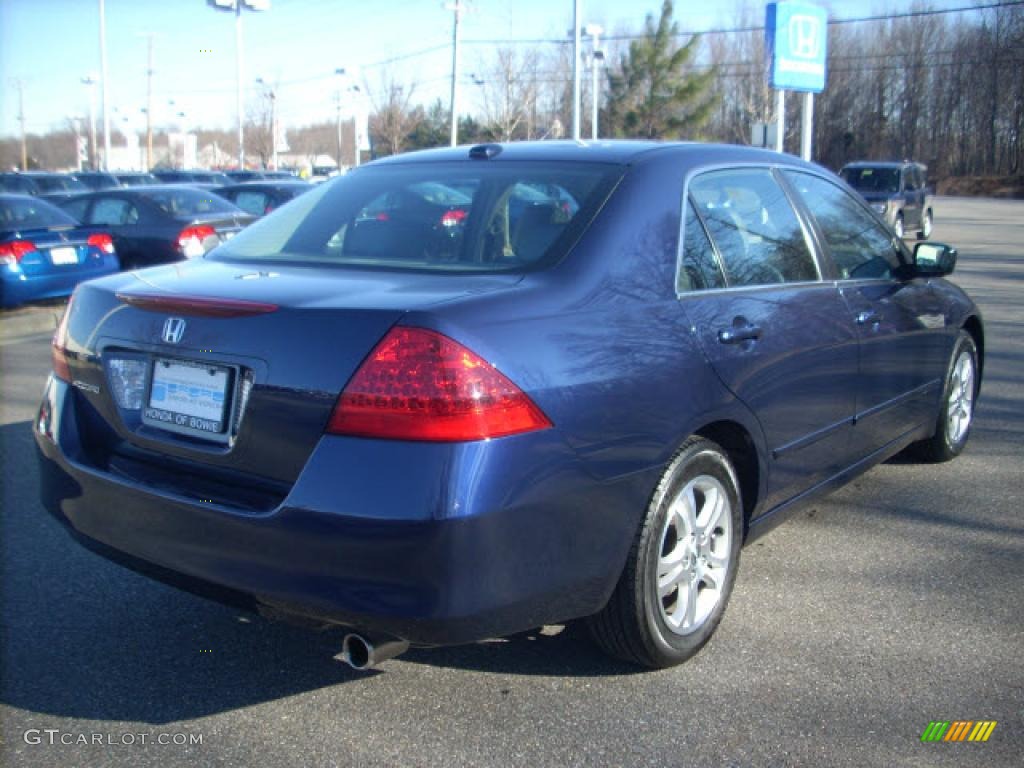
(796, 37)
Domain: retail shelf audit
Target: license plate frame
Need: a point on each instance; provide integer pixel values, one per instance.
(65, 256)
(179, 398)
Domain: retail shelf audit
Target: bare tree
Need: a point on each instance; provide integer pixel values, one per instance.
(393, 118)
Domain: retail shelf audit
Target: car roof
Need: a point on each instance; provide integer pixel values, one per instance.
(618, 152)
(882, 164)
(265, 183)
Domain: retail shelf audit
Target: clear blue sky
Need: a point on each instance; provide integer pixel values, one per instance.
(51, 44)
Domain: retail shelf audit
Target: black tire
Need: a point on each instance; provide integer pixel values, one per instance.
(949, 439)
(898, 227)
(634, 625)
(926, 225)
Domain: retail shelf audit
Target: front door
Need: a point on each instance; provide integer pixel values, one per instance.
(899, 322)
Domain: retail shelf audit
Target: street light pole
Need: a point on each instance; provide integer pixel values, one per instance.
(104, 80)
(237, 6)
(238, 77)
(149, 102)
(20, 85)
(272, 94)
(576, 69)
(91, 80)
(594, 32)
(457, 8)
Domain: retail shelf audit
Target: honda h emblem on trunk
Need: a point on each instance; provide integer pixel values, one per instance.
(174, 329)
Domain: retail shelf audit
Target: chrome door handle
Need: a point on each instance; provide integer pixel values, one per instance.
(737, 335)
(867, 316)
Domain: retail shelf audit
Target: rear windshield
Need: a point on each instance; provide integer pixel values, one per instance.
(19, 214)
(872, 179)
(184, 202)
(473, 217)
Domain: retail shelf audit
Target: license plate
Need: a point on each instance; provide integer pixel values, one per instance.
(188, 396)
(63, 255)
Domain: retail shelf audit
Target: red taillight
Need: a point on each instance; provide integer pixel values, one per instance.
(58, 347)
(453, 217)
(12, 253)
(102, 241)
(191, 239)
(382, 216)
(420, 385)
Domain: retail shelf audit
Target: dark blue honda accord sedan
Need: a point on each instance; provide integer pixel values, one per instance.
(457, 394)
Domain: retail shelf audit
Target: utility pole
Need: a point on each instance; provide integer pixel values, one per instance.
(457, 8)
(576, 69)
(104, 78)
(149, 101)
(20, 85)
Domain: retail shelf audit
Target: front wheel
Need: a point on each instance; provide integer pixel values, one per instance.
(956, 412)
(682, 565)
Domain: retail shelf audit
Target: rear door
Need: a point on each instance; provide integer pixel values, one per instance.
(900, 322)
(120, 217)
(777, 335)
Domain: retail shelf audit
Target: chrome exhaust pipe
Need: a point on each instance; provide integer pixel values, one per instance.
(362, 653)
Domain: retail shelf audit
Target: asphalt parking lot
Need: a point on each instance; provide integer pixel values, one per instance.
(897, 601)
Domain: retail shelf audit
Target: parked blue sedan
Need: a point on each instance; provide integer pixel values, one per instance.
(44, 253)
(574, 395)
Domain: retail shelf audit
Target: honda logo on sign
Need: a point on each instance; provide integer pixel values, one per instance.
(804, 37)
(174, 329)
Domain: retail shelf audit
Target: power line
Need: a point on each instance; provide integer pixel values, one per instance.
(756, 27)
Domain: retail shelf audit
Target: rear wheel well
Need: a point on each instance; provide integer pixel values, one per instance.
(742, 452)
(973, 326)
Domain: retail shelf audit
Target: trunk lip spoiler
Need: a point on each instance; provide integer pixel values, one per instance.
(196, 306)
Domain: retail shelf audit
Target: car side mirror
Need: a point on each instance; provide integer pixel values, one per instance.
(934, 259)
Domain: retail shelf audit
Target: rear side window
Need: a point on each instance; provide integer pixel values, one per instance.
(700, 269)
(478, 217)
(113, 212)
(76, 208)
(252, 202)
(861, 247)
(754, 227)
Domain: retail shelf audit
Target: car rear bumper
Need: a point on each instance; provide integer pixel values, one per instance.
(17, 287)
(436, 544)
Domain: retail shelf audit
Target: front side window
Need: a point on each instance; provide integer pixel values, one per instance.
(473, 217)
(861, 247)
(756, 230)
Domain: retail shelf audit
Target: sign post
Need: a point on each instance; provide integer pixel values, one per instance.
(796, 40)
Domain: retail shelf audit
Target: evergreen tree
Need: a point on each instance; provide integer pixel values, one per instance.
(651, 96)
